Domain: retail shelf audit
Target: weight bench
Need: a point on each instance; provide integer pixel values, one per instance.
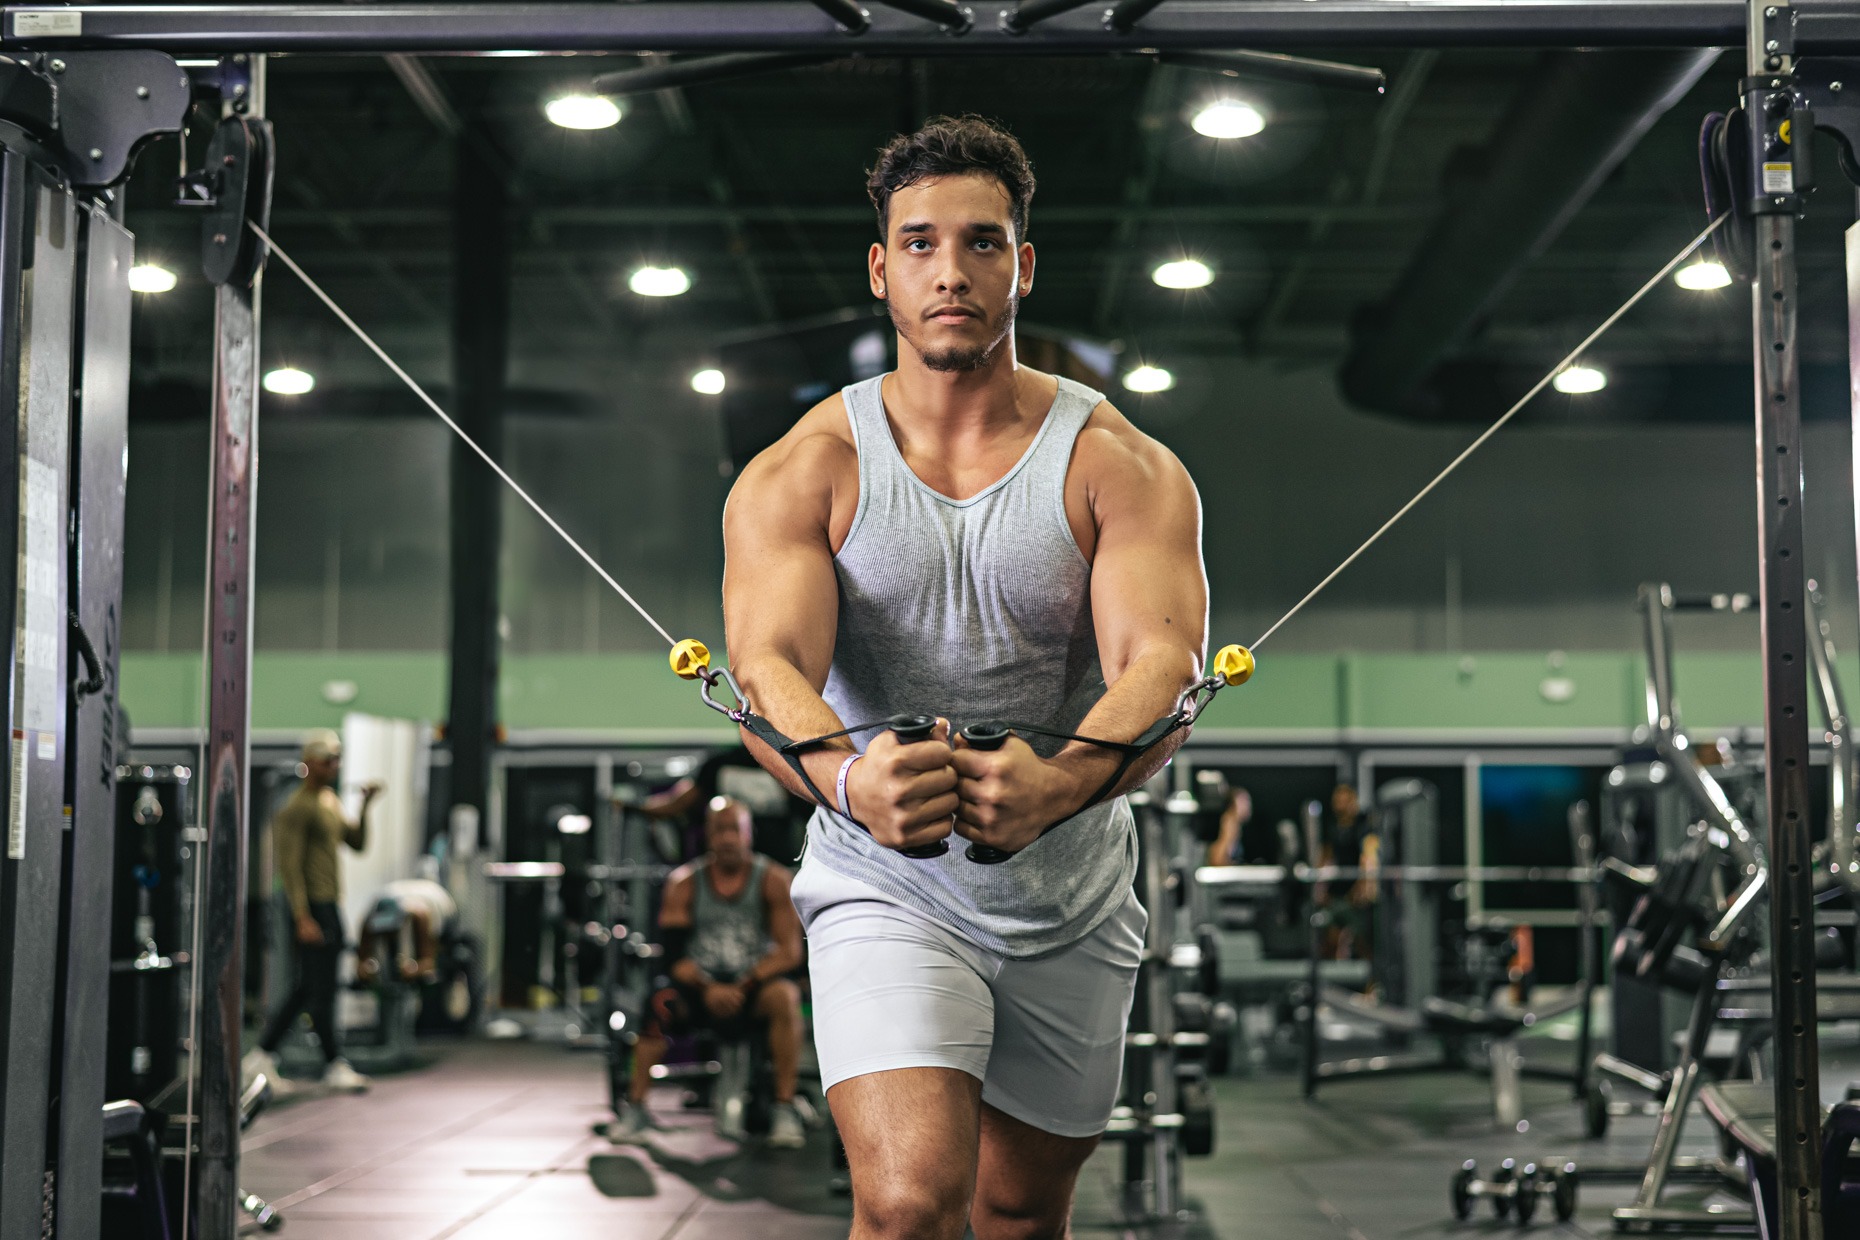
(1745, 1112)
(1453, 1024)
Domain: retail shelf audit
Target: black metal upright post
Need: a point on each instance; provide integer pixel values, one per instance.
(37, 272)
(99, 447)
(1774, 119)
(219, 974)
(480, 342)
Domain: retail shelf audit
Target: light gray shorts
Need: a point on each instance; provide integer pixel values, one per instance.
(894, 989)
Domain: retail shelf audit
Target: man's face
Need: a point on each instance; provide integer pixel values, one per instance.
(950, 271)
(726, 834)
(1343, 801)
(327, 768)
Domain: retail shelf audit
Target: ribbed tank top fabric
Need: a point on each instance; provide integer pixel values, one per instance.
(975, 609)
(728, 936)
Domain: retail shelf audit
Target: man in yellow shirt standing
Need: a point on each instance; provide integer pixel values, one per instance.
(306, 835)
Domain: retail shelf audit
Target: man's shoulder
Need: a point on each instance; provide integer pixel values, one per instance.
(812, 448)
(1113, 458)
(1110, 439)
(296, 809)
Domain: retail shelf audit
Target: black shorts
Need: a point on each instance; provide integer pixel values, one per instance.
(678, 1009)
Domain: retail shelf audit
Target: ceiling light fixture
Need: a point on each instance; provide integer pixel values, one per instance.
(1183, 273)
(709, 382)
(1147, 379)
(659, 281)
(1228, 118)
(583, 111)
(1702, 276)
(1579, 380)
(150, 278)
(288, 381)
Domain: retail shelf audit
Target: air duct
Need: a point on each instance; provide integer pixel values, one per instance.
(1575, 120)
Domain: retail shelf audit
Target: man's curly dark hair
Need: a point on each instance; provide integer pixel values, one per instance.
(951, 146)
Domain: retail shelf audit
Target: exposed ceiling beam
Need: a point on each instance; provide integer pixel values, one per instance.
(1159, 94)
(1409, 81)
(1571, 124)
(714, 214)
(677, 110)
(427, 94)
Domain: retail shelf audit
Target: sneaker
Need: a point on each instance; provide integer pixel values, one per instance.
(631, 1126)
(785, 1129)
(730, 1120)
(340, 1077)
(260, 1062)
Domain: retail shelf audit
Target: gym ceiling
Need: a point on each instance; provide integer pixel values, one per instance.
(755, 188)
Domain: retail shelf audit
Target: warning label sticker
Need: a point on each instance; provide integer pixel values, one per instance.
(16, 800)
(63, 25)
(1779, 178)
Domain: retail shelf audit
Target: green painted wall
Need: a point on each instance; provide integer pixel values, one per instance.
(1293, 692)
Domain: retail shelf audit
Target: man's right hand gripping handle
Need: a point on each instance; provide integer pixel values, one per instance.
(903, 791)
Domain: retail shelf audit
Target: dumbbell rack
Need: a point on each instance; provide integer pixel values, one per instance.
(1153, 1123)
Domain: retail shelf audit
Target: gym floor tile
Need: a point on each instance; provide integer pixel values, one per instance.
(492, 1142)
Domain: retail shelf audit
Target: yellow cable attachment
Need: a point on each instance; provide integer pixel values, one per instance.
(1234, 664)
(690, 657)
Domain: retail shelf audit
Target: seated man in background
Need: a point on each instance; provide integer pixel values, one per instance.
(420, 910)
(731, 938)
(779, 817)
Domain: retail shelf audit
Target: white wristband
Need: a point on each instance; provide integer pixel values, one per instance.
(845, 768)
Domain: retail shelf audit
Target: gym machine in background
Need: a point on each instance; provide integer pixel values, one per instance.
(1685, 869)
(151, 915)
(1167, 1109)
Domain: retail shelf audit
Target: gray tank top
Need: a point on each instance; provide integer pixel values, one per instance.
(728, 936)
(975, 609)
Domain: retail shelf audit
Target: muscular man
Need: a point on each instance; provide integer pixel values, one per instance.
(731, 938)
(971, 538)
(306, 836)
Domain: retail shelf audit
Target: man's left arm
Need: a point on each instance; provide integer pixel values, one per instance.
(1149, 600)
(784, 954)
(355, 834)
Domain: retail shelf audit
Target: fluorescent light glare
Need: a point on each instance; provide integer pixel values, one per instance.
(288, 381)
(1228, 118)
(1183, 273)
(1579, 380)
(583, 111)
(150, 278)
(1146, 379)
(709, 382)
(1702, 276)
(659, 281)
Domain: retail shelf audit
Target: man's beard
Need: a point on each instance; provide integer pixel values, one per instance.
(961, 357)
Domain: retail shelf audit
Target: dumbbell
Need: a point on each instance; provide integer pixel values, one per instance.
(909, 729)
(986, 736)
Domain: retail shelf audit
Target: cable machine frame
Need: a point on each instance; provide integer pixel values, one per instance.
(46, 38)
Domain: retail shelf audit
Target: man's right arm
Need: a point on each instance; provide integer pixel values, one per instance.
(781, 616)
(675, 927)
